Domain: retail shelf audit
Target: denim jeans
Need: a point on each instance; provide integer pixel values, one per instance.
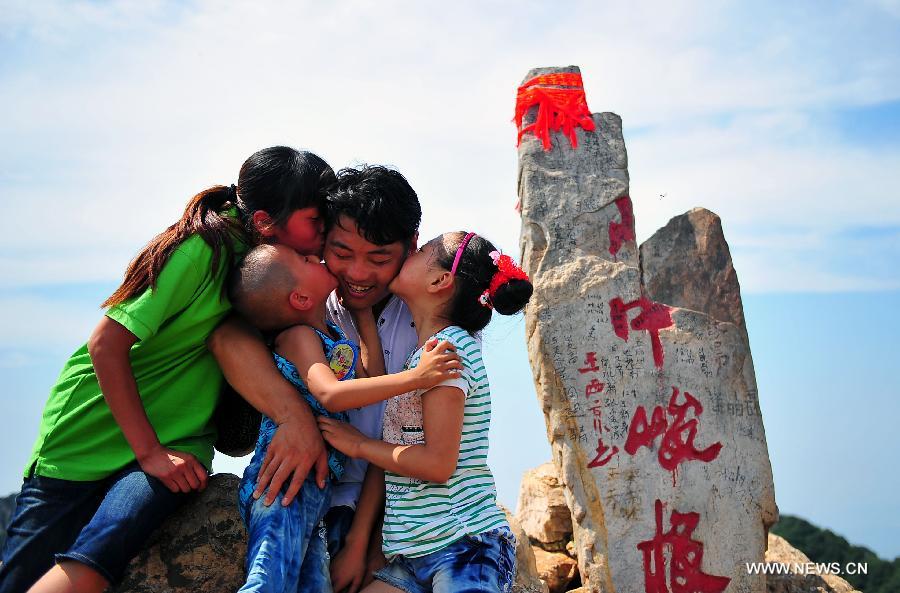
(338, 520)
(102, 524)
(286, 546)
(480, 563)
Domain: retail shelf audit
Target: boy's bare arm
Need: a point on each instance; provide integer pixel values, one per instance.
(301, 346)
(297, 445)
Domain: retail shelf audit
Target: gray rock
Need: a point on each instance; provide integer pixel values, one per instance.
(542, 508)
(782, 552)
(652, 410)
(7, 507)
(527, 580)
(199, 549)
(687, 264)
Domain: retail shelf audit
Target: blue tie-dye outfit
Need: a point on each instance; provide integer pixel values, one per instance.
(286, 548)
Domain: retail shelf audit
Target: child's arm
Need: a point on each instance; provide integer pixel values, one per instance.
(348, 569)
(301, 346)
(297, 446)
(109, 347)
(434, 461)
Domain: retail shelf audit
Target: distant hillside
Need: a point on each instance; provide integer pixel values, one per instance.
(822, 545)
(7, 506)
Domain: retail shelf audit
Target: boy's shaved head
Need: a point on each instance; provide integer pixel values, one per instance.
(260, 287)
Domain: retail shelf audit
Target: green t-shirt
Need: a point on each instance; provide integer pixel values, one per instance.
(177, 377)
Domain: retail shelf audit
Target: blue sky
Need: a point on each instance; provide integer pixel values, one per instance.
(784, 120)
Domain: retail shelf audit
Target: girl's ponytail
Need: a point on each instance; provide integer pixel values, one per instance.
(485, 281)
(512, 296)
(278, 180)
(204, 215)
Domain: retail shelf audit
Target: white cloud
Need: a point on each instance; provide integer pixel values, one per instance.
(122, 110)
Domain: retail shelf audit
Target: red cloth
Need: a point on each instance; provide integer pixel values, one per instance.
(506, 270)
(561, 106)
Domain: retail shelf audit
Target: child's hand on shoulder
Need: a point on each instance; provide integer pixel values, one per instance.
(439, 362)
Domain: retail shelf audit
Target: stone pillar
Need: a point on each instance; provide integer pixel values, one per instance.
(651, 410)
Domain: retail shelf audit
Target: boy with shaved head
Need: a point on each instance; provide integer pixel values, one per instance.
(277, 289)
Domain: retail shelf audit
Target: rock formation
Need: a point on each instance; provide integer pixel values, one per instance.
(527, 579)
(556, 569)
(651, 409)
(780, 551)
(201, 549)
(687, 264)
(542, 509)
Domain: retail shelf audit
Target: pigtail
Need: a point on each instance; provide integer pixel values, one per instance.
(485, 281)
(204, 215)
(512, 296)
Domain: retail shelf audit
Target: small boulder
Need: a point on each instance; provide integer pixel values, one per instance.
(542, 508)
(527, 580)
(781, 552)
(199, 549)
(555, 569)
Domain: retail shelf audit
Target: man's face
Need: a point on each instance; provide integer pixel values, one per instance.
(363, 269)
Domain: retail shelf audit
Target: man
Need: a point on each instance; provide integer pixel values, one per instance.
(372, 221)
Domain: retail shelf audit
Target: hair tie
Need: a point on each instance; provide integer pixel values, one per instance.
(507, 270)
(459, 252)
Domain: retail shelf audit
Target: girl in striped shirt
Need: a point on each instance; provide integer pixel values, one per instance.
(443, 531)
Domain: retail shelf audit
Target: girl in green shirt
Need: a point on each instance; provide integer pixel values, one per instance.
(127, 430)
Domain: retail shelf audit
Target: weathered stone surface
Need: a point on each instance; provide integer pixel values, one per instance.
(780, 551)
(687, 264)
(542, 508)
(609, 363)
(527, 580)
(199, 549)
(555, 569)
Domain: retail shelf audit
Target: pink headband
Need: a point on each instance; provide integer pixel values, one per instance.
(459, 252)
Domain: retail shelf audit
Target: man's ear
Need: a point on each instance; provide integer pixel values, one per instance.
(263, 223)
(414, 244)
(299, 301)
(440, 282)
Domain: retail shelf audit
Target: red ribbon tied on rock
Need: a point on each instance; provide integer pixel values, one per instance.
(507, 270)
(561, 106)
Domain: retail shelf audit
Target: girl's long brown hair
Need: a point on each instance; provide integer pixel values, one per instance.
(277, 180)
(203, 216)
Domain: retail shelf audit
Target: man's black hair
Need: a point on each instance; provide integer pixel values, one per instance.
(381, 202)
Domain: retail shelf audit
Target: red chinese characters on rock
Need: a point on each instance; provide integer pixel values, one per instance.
(652, 318)
(620, 232)
(677, 445)
(685, 558)
(595, 387)
(604, 451)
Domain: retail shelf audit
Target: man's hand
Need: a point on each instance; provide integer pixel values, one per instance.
(296, 447)
(178, 471)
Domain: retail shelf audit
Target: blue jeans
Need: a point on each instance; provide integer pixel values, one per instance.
(337, 523)
(481, 563)
(286, 546)
(102, 524)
